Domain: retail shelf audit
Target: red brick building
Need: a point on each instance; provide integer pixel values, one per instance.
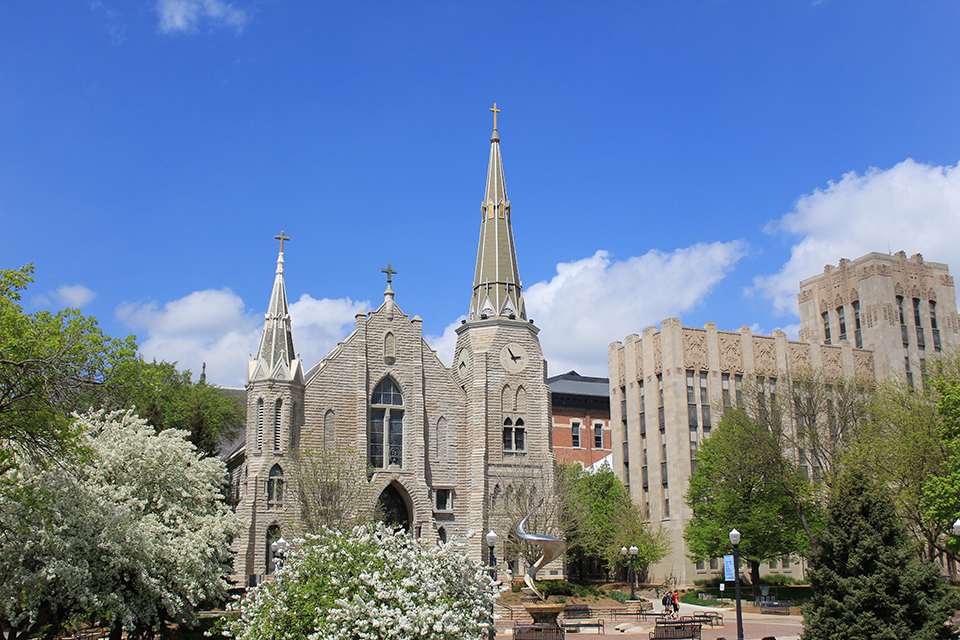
(581, 418)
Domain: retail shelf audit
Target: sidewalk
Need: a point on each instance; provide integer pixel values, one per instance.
(755, 627)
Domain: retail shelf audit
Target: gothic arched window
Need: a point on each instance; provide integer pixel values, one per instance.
(275, 487)
(385, 438)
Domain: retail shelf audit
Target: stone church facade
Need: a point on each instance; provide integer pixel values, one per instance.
(444, 446)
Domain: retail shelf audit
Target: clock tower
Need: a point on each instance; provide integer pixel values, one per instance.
(499, 364)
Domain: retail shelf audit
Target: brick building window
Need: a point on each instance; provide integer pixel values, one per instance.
(598, 436)
(575, 434)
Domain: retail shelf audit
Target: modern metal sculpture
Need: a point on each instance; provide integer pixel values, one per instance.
(551, 547)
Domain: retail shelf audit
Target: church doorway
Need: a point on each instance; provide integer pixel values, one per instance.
(393, 508)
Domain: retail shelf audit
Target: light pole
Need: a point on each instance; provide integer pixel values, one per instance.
(633, 551)
(735, 541)
(491, 544)
(279, 549)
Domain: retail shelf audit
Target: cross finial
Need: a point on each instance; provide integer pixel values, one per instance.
(390, 272)
(495, 112)
(281, 238)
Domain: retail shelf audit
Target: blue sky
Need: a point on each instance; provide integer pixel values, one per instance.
(691, 159)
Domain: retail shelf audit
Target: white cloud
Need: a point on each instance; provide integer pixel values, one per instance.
(114, 25)
(595, 301)
(215, 327)
(912, 207)
(185, 16)
(318, 325)
(446, 344)
(75, 296)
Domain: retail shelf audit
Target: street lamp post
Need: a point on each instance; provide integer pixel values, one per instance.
(735, 541)
(491, 544)
(633, 551)
(279, 549)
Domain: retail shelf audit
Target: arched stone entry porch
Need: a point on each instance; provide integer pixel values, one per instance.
(394, 505)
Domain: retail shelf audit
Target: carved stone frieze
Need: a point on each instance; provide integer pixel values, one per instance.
(800, 355)
(832, 364)
(854, 296)
(764, 354)
(946, 281)
(805, 295)
(695, 349)
(639, 351)
(730, 359)
(824, 306)
(657, 355)
(863, 364)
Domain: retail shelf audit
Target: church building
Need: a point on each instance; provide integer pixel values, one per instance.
(445, 447)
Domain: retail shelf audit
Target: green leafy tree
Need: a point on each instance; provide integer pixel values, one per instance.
(134, 533)
(169, 399)
(941, 490)
(868, 580)
(599, 519)
(743, 480)
(907, 449)
(51, 364)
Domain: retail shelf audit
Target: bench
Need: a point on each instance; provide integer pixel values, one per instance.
(536, 632)
(712, 618)
(676, 631)
(781, 608)
(578, 616)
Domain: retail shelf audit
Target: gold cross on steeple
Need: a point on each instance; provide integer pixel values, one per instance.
(390, 272)
(281, 238)
(495, 112)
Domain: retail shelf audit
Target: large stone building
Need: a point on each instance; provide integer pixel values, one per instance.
(875, 317)
(903, 309)
(443, 445)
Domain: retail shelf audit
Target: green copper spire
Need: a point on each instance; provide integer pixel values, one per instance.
(496, 285)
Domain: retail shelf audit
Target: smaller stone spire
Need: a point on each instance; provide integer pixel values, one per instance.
(276, 358)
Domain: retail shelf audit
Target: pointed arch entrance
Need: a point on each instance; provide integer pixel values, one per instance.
(394, 507)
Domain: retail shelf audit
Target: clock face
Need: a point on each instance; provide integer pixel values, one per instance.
(463, 363)
(513, 357)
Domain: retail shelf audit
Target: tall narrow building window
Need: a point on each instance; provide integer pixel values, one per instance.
(903, 323)
(856, 316)
(826, 327)
(738, 384)
(513, 435)
(643, 414)
(277, 422)
(921, 343)
(660, 414)
(575, 434)
(260, 424)
(842, 322)
(385, 438)
(704, 403)
(598, 436)
(725, 389)
(933, 326)
(691, 400)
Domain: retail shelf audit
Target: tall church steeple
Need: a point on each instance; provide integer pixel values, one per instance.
(276, 358)
(497, 289)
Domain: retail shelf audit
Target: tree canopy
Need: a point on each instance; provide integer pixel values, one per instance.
(51, 364)
(134, 533)
(868, 580)
(743, 480)
(599, 519)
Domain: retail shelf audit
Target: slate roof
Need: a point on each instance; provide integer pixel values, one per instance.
(573, 384)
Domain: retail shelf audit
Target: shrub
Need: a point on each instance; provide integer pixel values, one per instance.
(370, 583)
(619, 596)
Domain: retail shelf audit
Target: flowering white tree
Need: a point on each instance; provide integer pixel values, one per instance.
(132, 532)
(370, 583)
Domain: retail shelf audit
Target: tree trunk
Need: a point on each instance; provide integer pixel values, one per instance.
(755, 577)
(116, 632)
